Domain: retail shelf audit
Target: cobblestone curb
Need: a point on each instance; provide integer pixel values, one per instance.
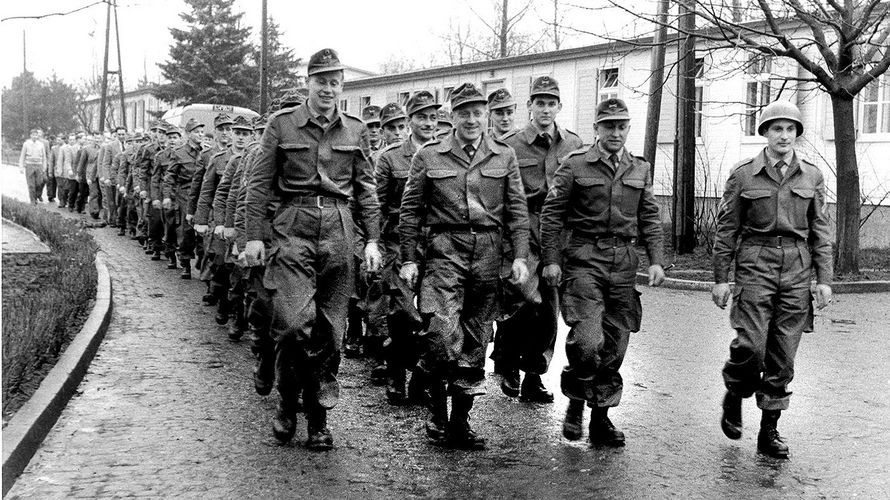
(26, 430)
(838, 287)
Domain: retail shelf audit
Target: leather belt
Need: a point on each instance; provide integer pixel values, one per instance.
(462, 228)
(316, 201)
(605, 240)
(773, 241)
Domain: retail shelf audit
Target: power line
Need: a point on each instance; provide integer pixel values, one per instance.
(54, 13)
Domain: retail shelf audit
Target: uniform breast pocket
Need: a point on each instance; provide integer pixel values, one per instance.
(594, 193)
(760, 208)
(343, 157)
(444, 187)
(492, 188)
(532, 174)
(296, 155)
(801, 200)
(632, 190)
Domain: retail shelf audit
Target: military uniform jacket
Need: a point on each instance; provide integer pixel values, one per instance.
(393, 167)
(159, 165)
(300, 157)
(591, 199)
(146, 156)
(221, 196)
(756, 202)
(241, 198)
(216, 166)
(198, 178)
(125, 165)
(109, 152)
(537, 163)
(178, 177)
(445, 188)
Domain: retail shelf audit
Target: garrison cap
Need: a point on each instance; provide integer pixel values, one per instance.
(371, 114)
(391, 112)
(545, 85)
(443, 116)
(421, 100)
(467, 93)
(611, 110)
(222, 119)
(192, 124)
(241, 123)
(500, 98)
(323, 61)
(156, 125)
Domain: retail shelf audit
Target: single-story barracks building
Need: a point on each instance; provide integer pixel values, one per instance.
(731, 88)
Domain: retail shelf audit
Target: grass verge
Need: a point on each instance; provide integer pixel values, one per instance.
(46, 299)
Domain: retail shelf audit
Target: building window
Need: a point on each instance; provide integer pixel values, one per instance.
(403, 98)
(699, 94)
(365, 101)
(608, 84)
(344, 105)
(757, 90)
(874, 107)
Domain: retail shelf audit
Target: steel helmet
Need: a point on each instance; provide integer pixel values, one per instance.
(780, 110)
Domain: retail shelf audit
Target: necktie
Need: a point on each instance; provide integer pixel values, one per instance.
(780, 166)
(545, 140)
(323, 120)
(614, 160)
(470, 150)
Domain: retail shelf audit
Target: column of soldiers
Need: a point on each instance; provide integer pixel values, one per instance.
(419, 237)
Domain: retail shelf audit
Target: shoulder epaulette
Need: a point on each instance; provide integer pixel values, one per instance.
(579, 151)
(347, 115)
(510, 134)
(282, 111)
(742, 163)
(389, 147)
(570, 132)
(430, 143)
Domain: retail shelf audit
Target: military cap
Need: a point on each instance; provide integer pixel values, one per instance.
(259, 123)
(443, 116)
(391, 112)
(130, 138)
(241, 123)
(138, 136)
(293, 97)
(421, 100)
(192, 124)
(323, 61)
(611, 110)
(545, 85)
(222, 119)
(172, 129)
(467, 93)
(500, 98)
(156, 125)
(371, 114)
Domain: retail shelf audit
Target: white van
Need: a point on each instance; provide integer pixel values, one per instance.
(205, 113)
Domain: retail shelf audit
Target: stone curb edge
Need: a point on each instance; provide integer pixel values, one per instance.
(837, 287)
(26, 430)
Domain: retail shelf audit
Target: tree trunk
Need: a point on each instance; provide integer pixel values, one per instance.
(504, 34)
(848, 204)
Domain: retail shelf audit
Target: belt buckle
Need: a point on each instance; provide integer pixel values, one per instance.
(472, 230)
(319, 202)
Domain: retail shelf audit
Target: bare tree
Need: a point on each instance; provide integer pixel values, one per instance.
(842, 45)
(501, 37)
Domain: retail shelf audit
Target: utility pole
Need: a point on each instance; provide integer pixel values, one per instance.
(120, 69)
(684, 150)
(656, 84)
(105, 71)
(25, 88)
(103, 105)
(264, 61)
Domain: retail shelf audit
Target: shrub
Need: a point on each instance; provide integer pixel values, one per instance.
(43, 297)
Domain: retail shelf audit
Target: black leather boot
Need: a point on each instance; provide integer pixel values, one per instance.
(533, 390)
(172, 264)
(602, 431)
(731, 421)
(571, 426)
(769, 442)
(460, 434)
(320, 438)
(437, 425)
(395, 386)
(186, 273)
(510, 382)
(284, 424)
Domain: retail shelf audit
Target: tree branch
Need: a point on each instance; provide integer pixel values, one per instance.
(819, 35)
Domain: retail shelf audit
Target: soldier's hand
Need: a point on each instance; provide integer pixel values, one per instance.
(122, 190)
(89, 182)
(720, 294)
(823, 296)
(656, 275)
(519, 272)
(255, 253)
(409, 273)
(156, 204)
(373, 257)
(143, 194)
(229, 234)
(218, 231)
(189, 217)
(201, 229)
(167, 203)
(552, 274)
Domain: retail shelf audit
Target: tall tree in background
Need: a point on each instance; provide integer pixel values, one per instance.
(209, 61)
(501, 37)
(282, 67)
(843, 48)
(51, 107)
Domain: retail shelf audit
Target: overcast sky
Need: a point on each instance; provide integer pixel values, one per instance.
(365, 33)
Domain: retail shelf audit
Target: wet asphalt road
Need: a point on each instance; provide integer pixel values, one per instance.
(168, 410)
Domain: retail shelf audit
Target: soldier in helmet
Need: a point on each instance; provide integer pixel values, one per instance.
(501, 108)
(772, 223)
(603, 195)
(313, 157)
